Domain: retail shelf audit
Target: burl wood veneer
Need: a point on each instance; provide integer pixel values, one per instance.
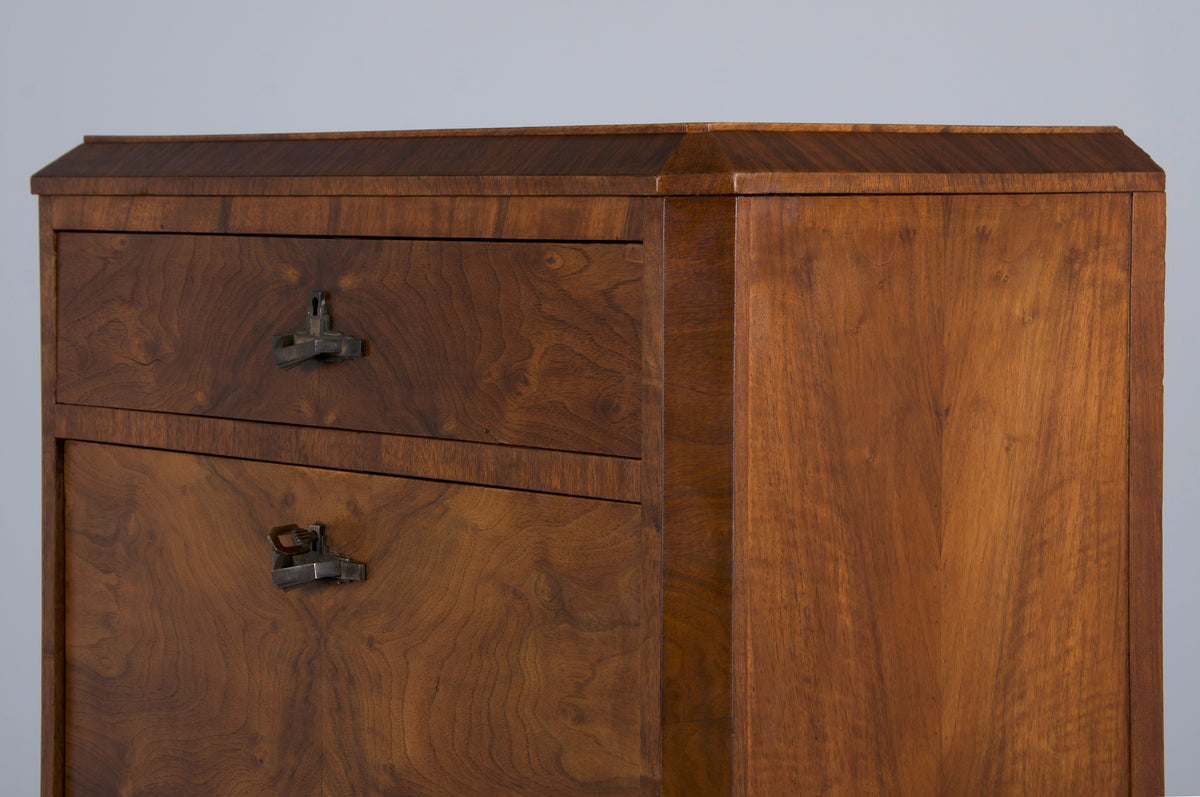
(684, 460)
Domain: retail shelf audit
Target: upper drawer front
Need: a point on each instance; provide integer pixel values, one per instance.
(533, 344)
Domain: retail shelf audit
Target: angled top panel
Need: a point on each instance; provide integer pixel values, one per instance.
(639, 160)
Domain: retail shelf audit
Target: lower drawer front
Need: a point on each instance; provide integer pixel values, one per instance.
(495, 646)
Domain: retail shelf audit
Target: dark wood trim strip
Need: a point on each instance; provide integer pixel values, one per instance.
(740, 704)
(454, 185)
(539, 470)
(480, 132)
(682, 184)
(859, 127)
(695, 743)
(532, 218)
(652, 488)
(916, 183)
(1147, 274)
(53, 584)
(668, 128)
(698, 493)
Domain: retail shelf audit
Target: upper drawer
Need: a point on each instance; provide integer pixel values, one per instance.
(532, 344)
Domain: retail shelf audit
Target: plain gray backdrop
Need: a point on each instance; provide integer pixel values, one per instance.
(69, 68)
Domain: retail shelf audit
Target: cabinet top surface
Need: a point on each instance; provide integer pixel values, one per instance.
(631, 160)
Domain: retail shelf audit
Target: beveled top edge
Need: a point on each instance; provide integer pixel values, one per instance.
(609, 130)
(629, 160)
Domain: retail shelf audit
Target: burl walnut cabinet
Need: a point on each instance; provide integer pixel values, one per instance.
(686, 459)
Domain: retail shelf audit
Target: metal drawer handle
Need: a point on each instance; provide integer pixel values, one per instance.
(317, 342)
(310, 559)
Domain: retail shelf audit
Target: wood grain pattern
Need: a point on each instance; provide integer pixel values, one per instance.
(189, 672)
(630, 161)
(698, 493)
(1147, 293)
(766, 162)
(495, 648)
(627, 154)
(530, 218)
(515, 343)
(538, 470)
(520, 608)
(934, 437)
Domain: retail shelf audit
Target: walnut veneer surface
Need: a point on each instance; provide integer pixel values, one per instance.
(684, 460)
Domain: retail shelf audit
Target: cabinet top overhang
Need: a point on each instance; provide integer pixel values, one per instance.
(627, 160)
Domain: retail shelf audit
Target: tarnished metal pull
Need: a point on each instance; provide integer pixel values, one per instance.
(310, 559)
(317, 342)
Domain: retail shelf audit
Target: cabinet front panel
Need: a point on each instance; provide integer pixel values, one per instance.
(532, 344)
(931, 547)
(494, 648)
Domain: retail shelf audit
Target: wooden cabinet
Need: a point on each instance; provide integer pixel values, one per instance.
(682, 459)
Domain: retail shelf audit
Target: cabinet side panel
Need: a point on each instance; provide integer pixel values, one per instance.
(931, 526)
(1034, 639)
(836, 533)
(698, 494)
(1145, 493)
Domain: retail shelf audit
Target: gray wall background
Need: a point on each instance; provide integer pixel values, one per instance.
(69, 67)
